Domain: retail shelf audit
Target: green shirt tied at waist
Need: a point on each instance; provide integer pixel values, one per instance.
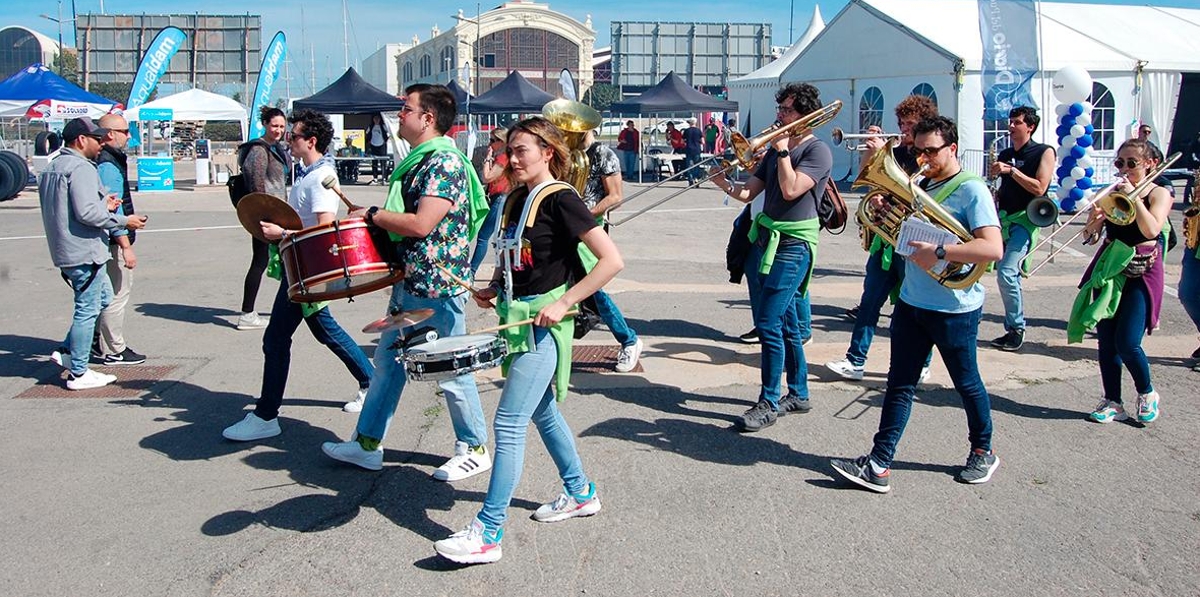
(1101, 294)
(805, 230)
(275, 271)
(1021, 219)
(520, 338)
(478, 196)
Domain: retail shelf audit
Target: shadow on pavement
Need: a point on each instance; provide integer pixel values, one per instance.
(197, 314)
(23, 356)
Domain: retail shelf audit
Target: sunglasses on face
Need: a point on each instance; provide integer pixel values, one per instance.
(1126, 163)
(930, 151)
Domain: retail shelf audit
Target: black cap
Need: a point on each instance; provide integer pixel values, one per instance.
(79, 127)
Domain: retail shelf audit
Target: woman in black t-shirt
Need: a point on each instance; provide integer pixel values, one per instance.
(539, 244)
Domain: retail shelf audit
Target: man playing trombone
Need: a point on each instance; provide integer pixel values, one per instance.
(929, 314)
(783, 238)
(1024, 171)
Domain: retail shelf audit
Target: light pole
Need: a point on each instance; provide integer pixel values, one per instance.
(477, 51)
(60, 22)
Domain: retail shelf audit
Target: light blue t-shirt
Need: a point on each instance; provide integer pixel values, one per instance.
(971, 204)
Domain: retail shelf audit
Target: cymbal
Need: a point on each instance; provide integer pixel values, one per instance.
(261, 207)
(402, 319)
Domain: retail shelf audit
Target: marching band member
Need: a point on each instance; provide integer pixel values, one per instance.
(544, 223)
(929, 314)
(1121, 291)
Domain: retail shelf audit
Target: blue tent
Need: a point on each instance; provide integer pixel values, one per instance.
(36, 83)
(514, 95)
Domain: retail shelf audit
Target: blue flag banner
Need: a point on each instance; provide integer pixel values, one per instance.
(268, 72)
(154, 64)
(1008, 30)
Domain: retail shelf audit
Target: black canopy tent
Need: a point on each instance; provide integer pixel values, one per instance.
(461, 96)
(670, 95)
(350, 94)
(514, 95)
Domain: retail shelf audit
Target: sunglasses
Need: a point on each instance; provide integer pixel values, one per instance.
(930, 151)
(122, 131)
(1127, 163)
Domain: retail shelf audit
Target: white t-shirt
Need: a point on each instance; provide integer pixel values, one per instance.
(309, 198)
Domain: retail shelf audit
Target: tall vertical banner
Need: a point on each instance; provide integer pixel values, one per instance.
(1008, 30)
(154, 64)
(268, 72)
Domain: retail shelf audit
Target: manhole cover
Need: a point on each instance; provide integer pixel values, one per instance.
(597, 359)
(132, 382)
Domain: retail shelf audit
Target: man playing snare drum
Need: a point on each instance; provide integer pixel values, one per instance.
(434, 209)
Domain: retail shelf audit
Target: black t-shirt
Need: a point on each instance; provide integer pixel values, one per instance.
(1013, 197)
(549, 247)
(906, 157)
(1131, 233)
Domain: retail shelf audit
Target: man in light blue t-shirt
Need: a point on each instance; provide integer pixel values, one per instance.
(930, 314)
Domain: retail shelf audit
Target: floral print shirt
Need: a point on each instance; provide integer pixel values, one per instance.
(442, 177)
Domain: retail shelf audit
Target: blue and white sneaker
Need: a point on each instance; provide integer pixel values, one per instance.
(569, 506)
(1108, 411)
(1147, 407)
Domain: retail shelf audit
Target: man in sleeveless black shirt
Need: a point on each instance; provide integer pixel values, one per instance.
(1024, 171)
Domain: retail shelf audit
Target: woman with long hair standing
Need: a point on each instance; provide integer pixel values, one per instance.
(543, 224)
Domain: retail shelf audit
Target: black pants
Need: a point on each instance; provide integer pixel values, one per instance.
(258, 265)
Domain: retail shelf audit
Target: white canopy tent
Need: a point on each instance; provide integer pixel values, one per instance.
(755, 91)
(197, 104)
(888, 49)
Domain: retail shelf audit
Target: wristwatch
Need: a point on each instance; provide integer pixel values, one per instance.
(782, 154)
(940, 252)
(370, 215)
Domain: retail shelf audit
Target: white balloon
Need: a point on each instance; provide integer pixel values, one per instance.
(1062, 152)
(1061, 110)
(1068, 182)
(1077, 131)
(1077, 172)
(1087, 108)
(1085, 162)
(1083, 119)
(1062, 192)
(1072, 84)
(1068, 142)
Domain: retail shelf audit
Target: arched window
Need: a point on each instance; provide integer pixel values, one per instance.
(408, 71)
(1104, 118)
(870, 109)
(926, 90)
(447, 64)
(426, 66)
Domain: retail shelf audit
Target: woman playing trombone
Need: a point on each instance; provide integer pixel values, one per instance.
(1121, 291)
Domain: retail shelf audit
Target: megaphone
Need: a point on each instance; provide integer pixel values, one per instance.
(1042, 211)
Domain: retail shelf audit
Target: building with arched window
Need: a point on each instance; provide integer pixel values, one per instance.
(21, 47)
(520, 35)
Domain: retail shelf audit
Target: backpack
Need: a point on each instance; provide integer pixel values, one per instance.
(831, 209)
(237, 185)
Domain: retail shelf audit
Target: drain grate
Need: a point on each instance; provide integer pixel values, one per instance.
(132, 382)
(597, 359)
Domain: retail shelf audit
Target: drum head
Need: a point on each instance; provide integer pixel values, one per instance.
(453, 344)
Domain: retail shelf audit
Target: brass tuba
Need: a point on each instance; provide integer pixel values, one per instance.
(904, 199)
(574, 120)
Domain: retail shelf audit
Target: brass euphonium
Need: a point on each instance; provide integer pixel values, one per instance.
(574, 119)
(904, 199)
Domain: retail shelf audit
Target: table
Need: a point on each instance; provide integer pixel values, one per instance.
(348, 167)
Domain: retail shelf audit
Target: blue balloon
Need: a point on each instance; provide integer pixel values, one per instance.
(1089, 172)
(1078, 151)
(1084, 183)
(1062, 172)
(1076, 194)
(1084, 141)
(1075, 110)
(1067, 204)
(1062, 131)
(1067, 119)
(1089, 129)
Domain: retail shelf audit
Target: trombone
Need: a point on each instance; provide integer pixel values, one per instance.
(1118, 207)
(837, 135)
(746, 154)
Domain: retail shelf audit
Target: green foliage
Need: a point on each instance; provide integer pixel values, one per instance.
(601, 95)
(66, 64)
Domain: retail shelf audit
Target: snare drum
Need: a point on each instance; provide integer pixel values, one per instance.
(338, 260)
(447, 358)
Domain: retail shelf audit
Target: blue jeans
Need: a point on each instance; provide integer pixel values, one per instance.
(93, 292)
(629, 164)
(611, 316)
(528, 396)
(1189, 285)
(775, 303)
(804, 315)
(1008, 276)
(914, 332)
(462, 395)
(691, 159)
(486, 231)
(286, 316)
(877, 286)
(1120, 341)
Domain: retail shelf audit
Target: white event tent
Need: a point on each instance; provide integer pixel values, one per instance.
(874, 53)
(197, 104)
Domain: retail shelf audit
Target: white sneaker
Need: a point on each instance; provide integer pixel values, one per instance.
(465, 463)
(472, 545)
(924, 375)
(251, 321)
(627, 359)
(569, 506)
(252, 428)
(356, 405)
(353, 453)
(88, 380)
(61, 357)
(1108, 411)
(846, 369)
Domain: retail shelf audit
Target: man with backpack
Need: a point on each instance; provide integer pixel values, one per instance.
(264, 167)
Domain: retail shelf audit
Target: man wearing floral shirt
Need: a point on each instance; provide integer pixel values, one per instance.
(434, 208)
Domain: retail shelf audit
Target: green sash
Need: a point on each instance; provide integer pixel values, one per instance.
(520, 338)
(1098, 298)
(477, 202)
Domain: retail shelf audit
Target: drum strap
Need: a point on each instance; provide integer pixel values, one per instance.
(508, 250)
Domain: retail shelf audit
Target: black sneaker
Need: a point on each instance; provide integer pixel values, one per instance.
(759, 417)
(858, 471)
(793, 404)
(125, 357)
(852, 313)
(1196, 354)
(979, 468)
(1010, 341)
(750, 337)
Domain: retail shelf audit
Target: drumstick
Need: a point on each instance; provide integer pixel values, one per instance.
(513, 324)
(464, 284)
(330, 182)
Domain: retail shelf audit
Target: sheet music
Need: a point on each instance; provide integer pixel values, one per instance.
(917, 229)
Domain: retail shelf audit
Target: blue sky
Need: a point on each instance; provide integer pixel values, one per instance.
(374, 22)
